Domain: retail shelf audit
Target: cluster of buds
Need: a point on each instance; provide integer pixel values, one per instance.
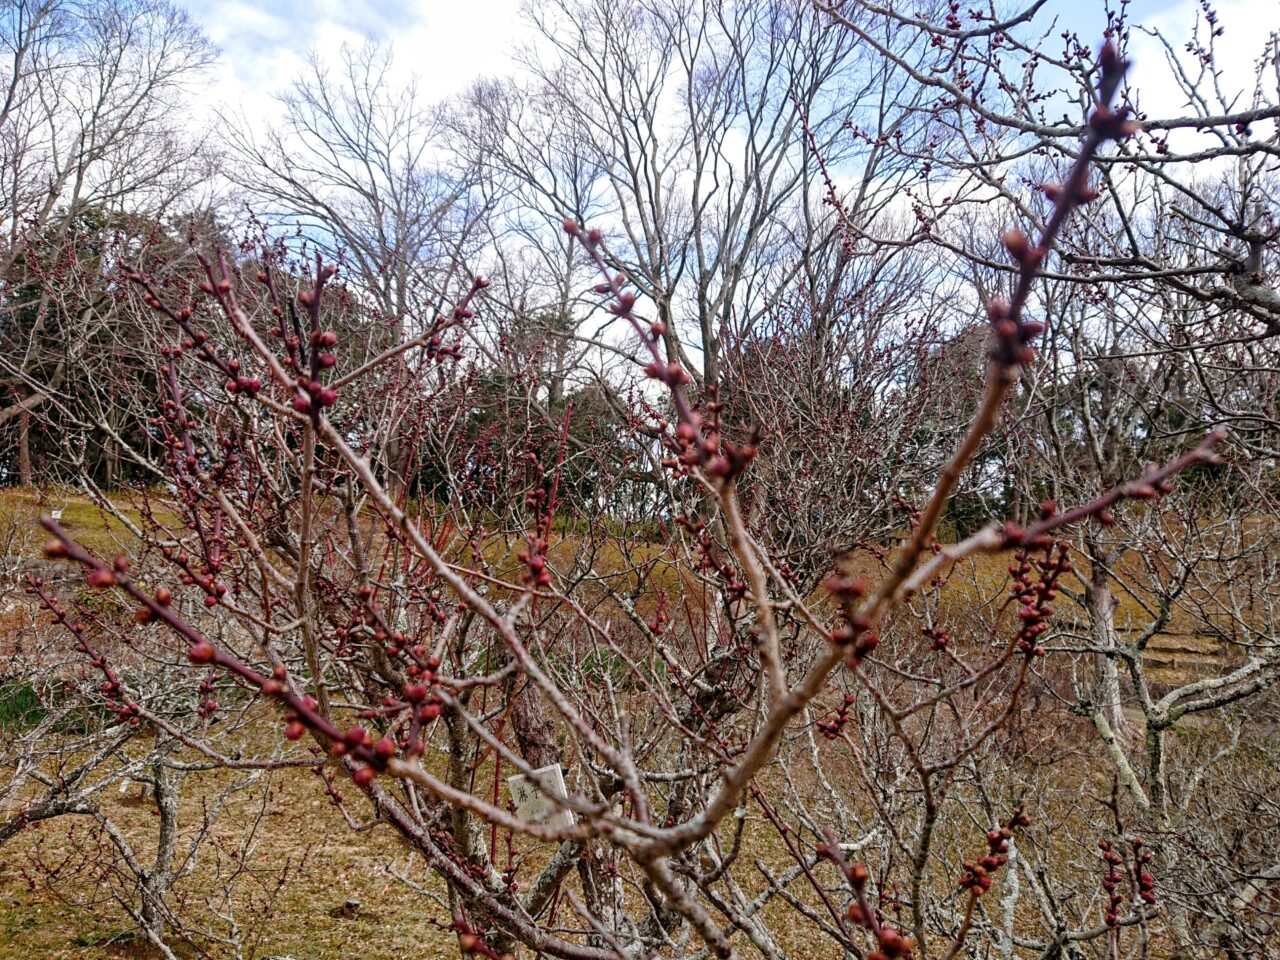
(185, 463)
(420, 695)
(111, 689)
(1111, 881)
(1037, 597)
(431, 603)
(1142, 857)
(1024, 253)
(541, 502)
(726, 461)
(438, 351)
(314, 395)
(891, 944)
(323, 342)
(330, 784)
(100, 577)
(1107, 122)
(938, 639)
(294, 728)
(978, 874)
(1013, 335)
(423, 692)
(206, 579)
(830, 727)
(309, 300)
(222, 471)
(734, 587)
(687, 446)
(186, 458)
(907, 507)
(357, 738)
(208, 705)
(462, 311)
(856, 634)
(534, 557)
(697, 442)
(170, 415)
(672, 374)
(624, 301)
(198, 341)
(1151, 486)
(249, 386)
(661, 617)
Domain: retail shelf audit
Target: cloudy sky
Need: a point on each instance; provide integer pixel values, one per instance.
(446, 43)
(449, 43)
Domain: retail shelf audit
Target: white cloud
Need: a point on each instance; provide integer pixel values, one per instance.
(446, 45)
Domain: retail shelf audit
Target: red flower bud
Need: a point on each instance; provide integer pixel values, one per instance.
(356, 736)
(1016, 243)
(202, 652)
(101, 579)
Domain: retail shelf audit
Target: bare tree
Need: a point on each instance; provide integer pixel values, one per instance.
(795, 702)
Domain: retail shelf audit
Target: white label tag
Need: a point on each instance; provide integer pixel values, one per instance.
(532, 802)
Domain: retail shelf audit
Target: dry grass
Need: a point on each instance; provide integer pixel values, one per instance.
(75, 915)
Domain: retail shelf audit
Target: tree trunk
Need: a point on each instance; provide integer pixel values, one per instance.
(1102, 611)
(111, 463)
(26, 476)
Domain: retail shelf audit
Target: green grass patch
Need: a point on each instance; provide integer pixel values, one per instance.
(21, 707)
